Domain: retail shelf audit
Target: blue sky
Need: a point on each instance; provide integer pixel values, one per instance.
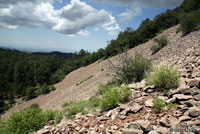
(70, 25)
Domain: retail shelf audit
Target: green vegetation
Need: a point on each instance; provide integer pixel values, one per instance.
(162, 42)
(107, 97)
(179, 29)
(84, 80)
(110, 99)
(171, 105)
(190, 21)
(158, 104)
(130, 69)
(164, 78)
(26, 121)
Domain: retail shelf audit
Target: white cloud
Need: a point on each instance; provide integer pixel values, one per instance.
(129, 14)
(96, 29)
(71, 19)
(146, 3)
(84, 33)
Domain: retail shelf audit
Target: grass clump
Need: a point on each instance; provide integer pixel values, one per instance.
(77, 84)
(26, 121)
(164, 78)
(110, 99)
(171, 105)
(158, 104)
(161, 42)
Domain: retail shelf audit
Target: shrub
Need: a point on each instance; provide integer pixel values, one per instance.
(103, 89)
(163, 78)
(125, 93)
(162, 41)
(190, 21)
(171, 105)
(94, 102)
(44, 89)
(59, 117)
(110, 99)
(30, 93)
(179, 29)
(155, 48)
(130, 69)
(158, 104)
(26, 121)
(75, 108)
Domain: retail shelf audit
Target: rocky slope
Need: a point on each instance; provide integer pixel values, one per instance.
(179, 52)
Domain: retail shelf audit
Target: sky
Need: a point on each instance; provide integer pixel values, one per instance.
(71, 25)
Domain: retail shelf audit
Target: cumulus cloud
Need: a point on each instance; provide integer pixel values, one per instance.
(147, 3)
(71, 19)
(129, 14)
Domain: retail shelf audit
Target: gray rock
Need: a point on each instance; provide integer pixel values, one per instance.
(164, 121)
(182, 97)
(153, 132)
(145, 125)
(193, 83)
(149, 103)
(83, 130)
(194, 114)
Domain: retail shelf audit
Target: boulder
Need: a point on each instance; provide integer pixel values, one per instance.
(194, 83)
(182, 97)
(145, 125)
(43, 131)
(149, 103)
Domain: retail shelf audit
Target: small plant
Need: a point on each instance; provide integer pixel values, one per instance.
(164, 78)
(179, 29)
(155, 48)
(158, 104)
(110, 99)
(103, 89)
(84, 80)
(162, 42)
(75, 108)
(59, 117)
(102, 69)
(125, 94)
(171, 105)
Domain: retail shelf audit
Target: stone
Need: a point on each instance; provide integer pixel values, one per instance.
(162, 130)
(138, 85)
(173, 122)
(149, 103)
(164, 121)
(194, 83)
(109, 113)
(136, 108)
(93, 132)
(145, 125)
(153, 132)
(132, 131)
(83, 130)
(184, 118)
(182, 97)
(43, 131)
(148, 88)
(47, 127)
(194, 114)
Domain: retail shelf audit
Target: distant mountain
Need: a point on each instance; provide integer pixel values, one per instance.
(58, 54)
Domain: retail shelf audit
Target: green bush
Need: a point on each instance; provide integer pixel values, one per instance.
(190, 21)
(171, 105)
(26, 121)
(59, 117)
(44, 89)
(30, 93)
(158, 104)
(125, 94)
(75, 108)
(155, 48)
(103, 89)
(110, 99)
(163, 78)
(162, 42)
(94, 102)
(179, 29)
(130, 69)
